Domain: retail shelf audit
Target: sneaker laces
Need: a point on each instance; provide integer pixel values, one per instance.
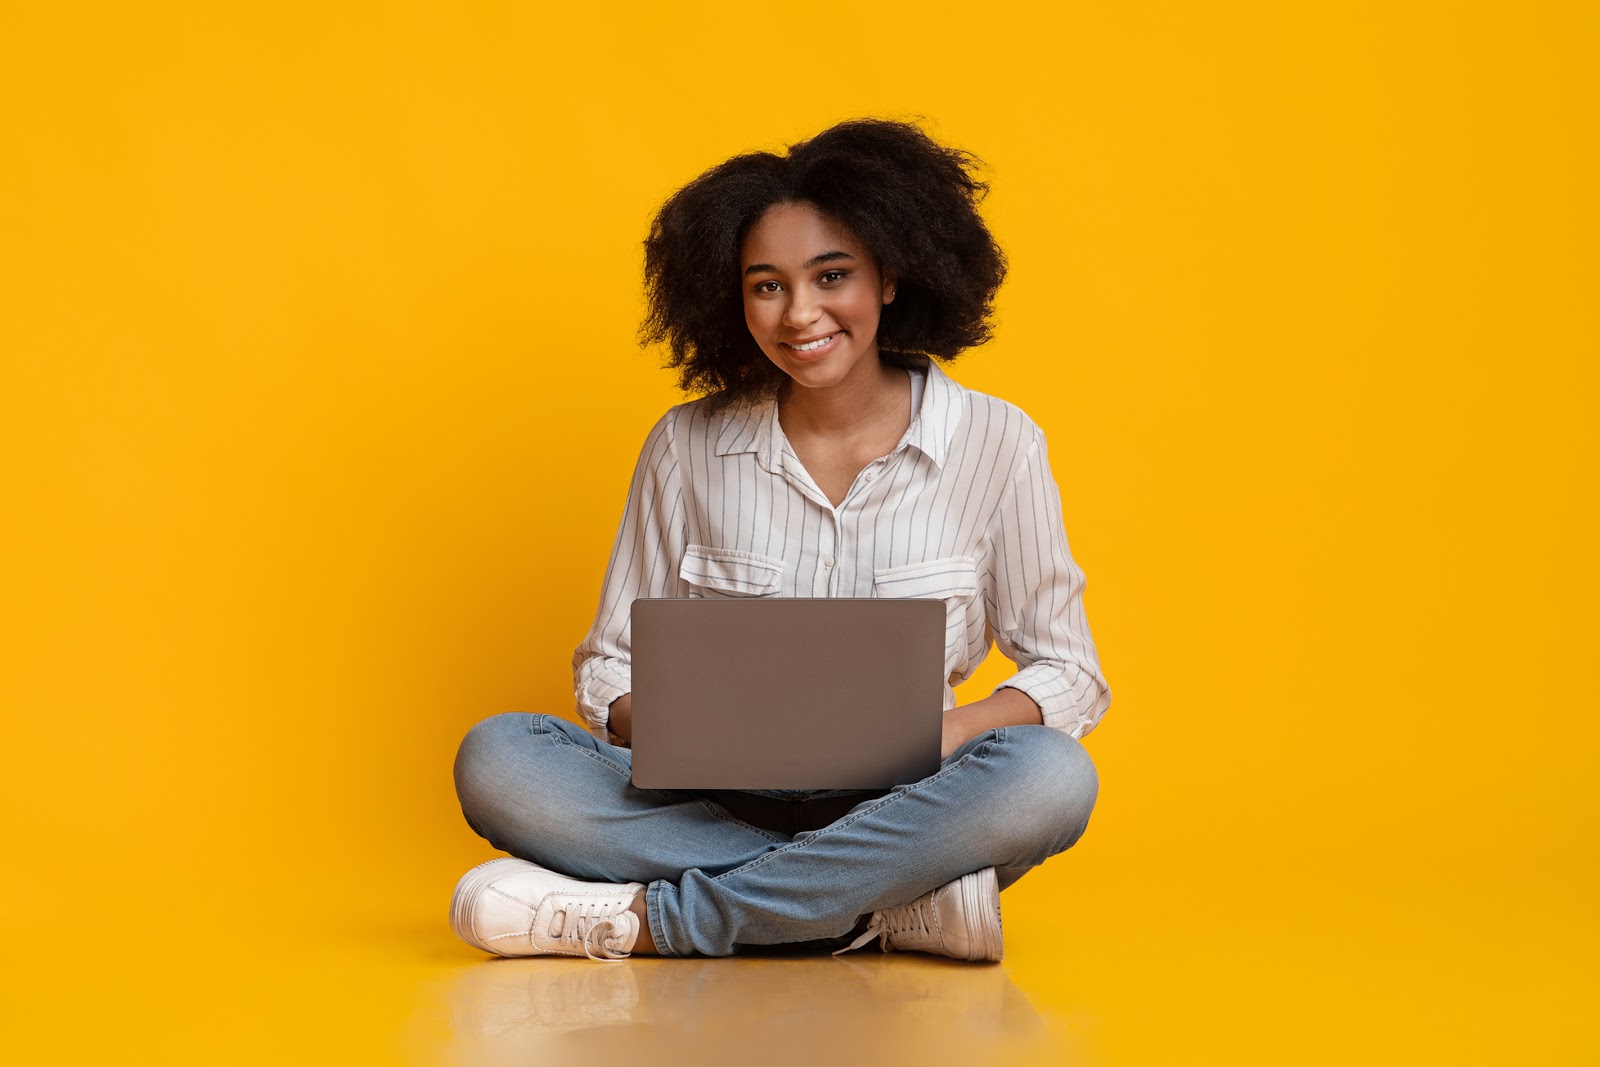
(910, 918)
(580, 924)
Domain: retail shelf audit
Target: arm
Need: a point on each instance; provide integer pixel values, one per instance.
(1004, 707)
(644, 563)
(1038, 619)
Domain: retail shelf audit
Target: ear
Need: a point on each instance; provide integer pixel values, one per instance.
(888, 287)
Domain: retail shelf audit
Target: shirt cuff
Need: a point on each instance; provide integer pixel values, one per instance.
(1046, 686)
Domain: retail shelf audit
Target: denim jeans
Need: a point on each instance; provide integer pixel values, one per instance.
(547, 791)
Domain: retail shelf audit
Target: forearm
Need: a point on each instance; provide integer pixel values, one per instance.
(1003, 707)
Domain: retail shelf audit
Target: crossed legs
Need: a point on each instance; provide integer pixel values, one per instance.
(546, 791)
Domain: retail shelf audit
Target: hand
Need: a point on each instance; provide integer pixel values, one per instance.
(955, 735)
(620, 722)
(1004, 707)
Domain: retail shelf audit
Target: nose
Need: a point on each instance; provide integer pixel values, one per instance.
(802, 309)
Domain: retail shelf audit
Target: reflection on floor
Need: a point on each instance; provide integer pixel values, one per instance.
(874, 1008)
(1272, 966)
(1214, 961)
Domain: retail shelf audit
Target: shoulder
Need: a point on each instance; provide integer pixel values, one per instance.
(700, 427)
(999, 427)
(679, 422)
(700, 420)
(1007, 417)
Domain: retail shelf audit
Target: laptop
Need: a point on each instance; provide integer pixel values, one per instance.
(786, 693)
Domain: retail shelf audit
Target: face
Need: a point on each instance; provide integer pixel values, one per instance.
(812, 296)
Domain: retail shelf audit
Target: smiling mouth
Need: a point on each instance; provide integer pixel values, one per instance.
(811, 346)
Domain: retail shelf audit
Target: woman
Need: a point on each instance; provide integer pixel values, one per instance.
(807, 296)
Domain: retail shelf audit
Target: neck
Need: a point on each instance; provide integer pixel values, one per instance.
(854, 407)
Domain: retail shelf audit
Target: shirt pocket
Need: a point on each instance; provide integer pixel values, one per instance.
(954, 579)
(719, 573)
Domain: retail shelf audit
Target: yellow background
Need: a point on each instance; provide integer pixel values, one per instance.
(320, 394)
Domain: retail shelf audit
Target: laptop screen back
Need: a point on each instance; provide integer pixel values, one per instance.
(786, 693)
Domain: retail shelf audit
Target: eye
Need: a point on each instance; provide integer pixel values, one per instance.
(766, 287)
(831, 277)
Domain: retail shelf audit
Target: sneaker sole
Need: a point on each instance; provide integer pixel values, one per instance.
(980, 903)
(473, 884)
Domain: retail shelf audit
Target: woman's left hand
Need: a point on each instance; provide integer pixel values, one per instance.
(954, 737)
(1003, 707)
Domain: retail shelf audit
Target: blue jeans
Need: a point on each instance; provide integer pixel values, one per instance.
(540, 788)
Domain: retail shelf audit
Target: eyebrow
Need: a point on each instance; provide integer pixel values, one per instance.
(814, 261)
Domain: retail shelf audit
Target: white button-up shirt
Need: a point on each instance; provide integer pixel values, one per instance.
(964, 510)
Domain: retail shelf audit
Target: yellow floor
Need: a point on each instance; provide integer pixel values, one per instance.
(345, 962)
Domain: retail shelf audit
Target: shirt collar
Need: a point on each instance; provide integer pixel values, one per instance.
(754, 427)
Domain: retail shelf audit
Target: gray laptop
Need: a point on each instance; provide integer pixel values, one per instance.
(786, 693)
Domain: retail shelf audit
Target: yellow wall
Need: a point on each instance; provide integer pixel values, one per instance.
(320, 394)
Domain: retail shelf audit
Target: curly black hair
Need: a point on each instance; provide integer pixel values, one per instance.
(912, 203)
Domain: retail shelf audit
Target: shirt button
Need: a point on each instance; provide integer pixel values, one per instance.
(871, 475)
(827, 564)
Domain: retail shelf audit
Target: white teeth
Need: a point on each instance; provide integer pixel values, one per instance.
(814, 344)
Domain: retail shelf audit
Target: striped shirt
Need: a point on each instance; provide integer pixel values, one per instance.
(964, 510)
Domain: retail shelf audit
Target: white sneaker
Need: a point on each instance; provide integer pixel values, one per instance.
(961, 920)
(515, 908)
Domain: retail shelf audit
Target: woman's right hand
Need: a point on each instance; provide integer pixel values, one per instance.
(620, 724)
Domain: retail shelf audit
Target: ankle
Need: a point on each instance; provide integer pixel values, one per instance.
(644, 945)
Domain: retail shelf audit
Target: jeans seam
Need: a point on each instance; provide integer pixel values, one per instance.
(652, 912)
(716, 811)
(561, 739)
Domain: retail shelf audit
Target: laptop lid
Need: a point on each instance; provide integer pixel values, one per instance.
(786, 693)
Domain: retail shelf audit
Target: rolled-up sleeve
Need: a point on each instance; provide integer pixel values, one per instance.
(644, 563)
(1039, 622)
